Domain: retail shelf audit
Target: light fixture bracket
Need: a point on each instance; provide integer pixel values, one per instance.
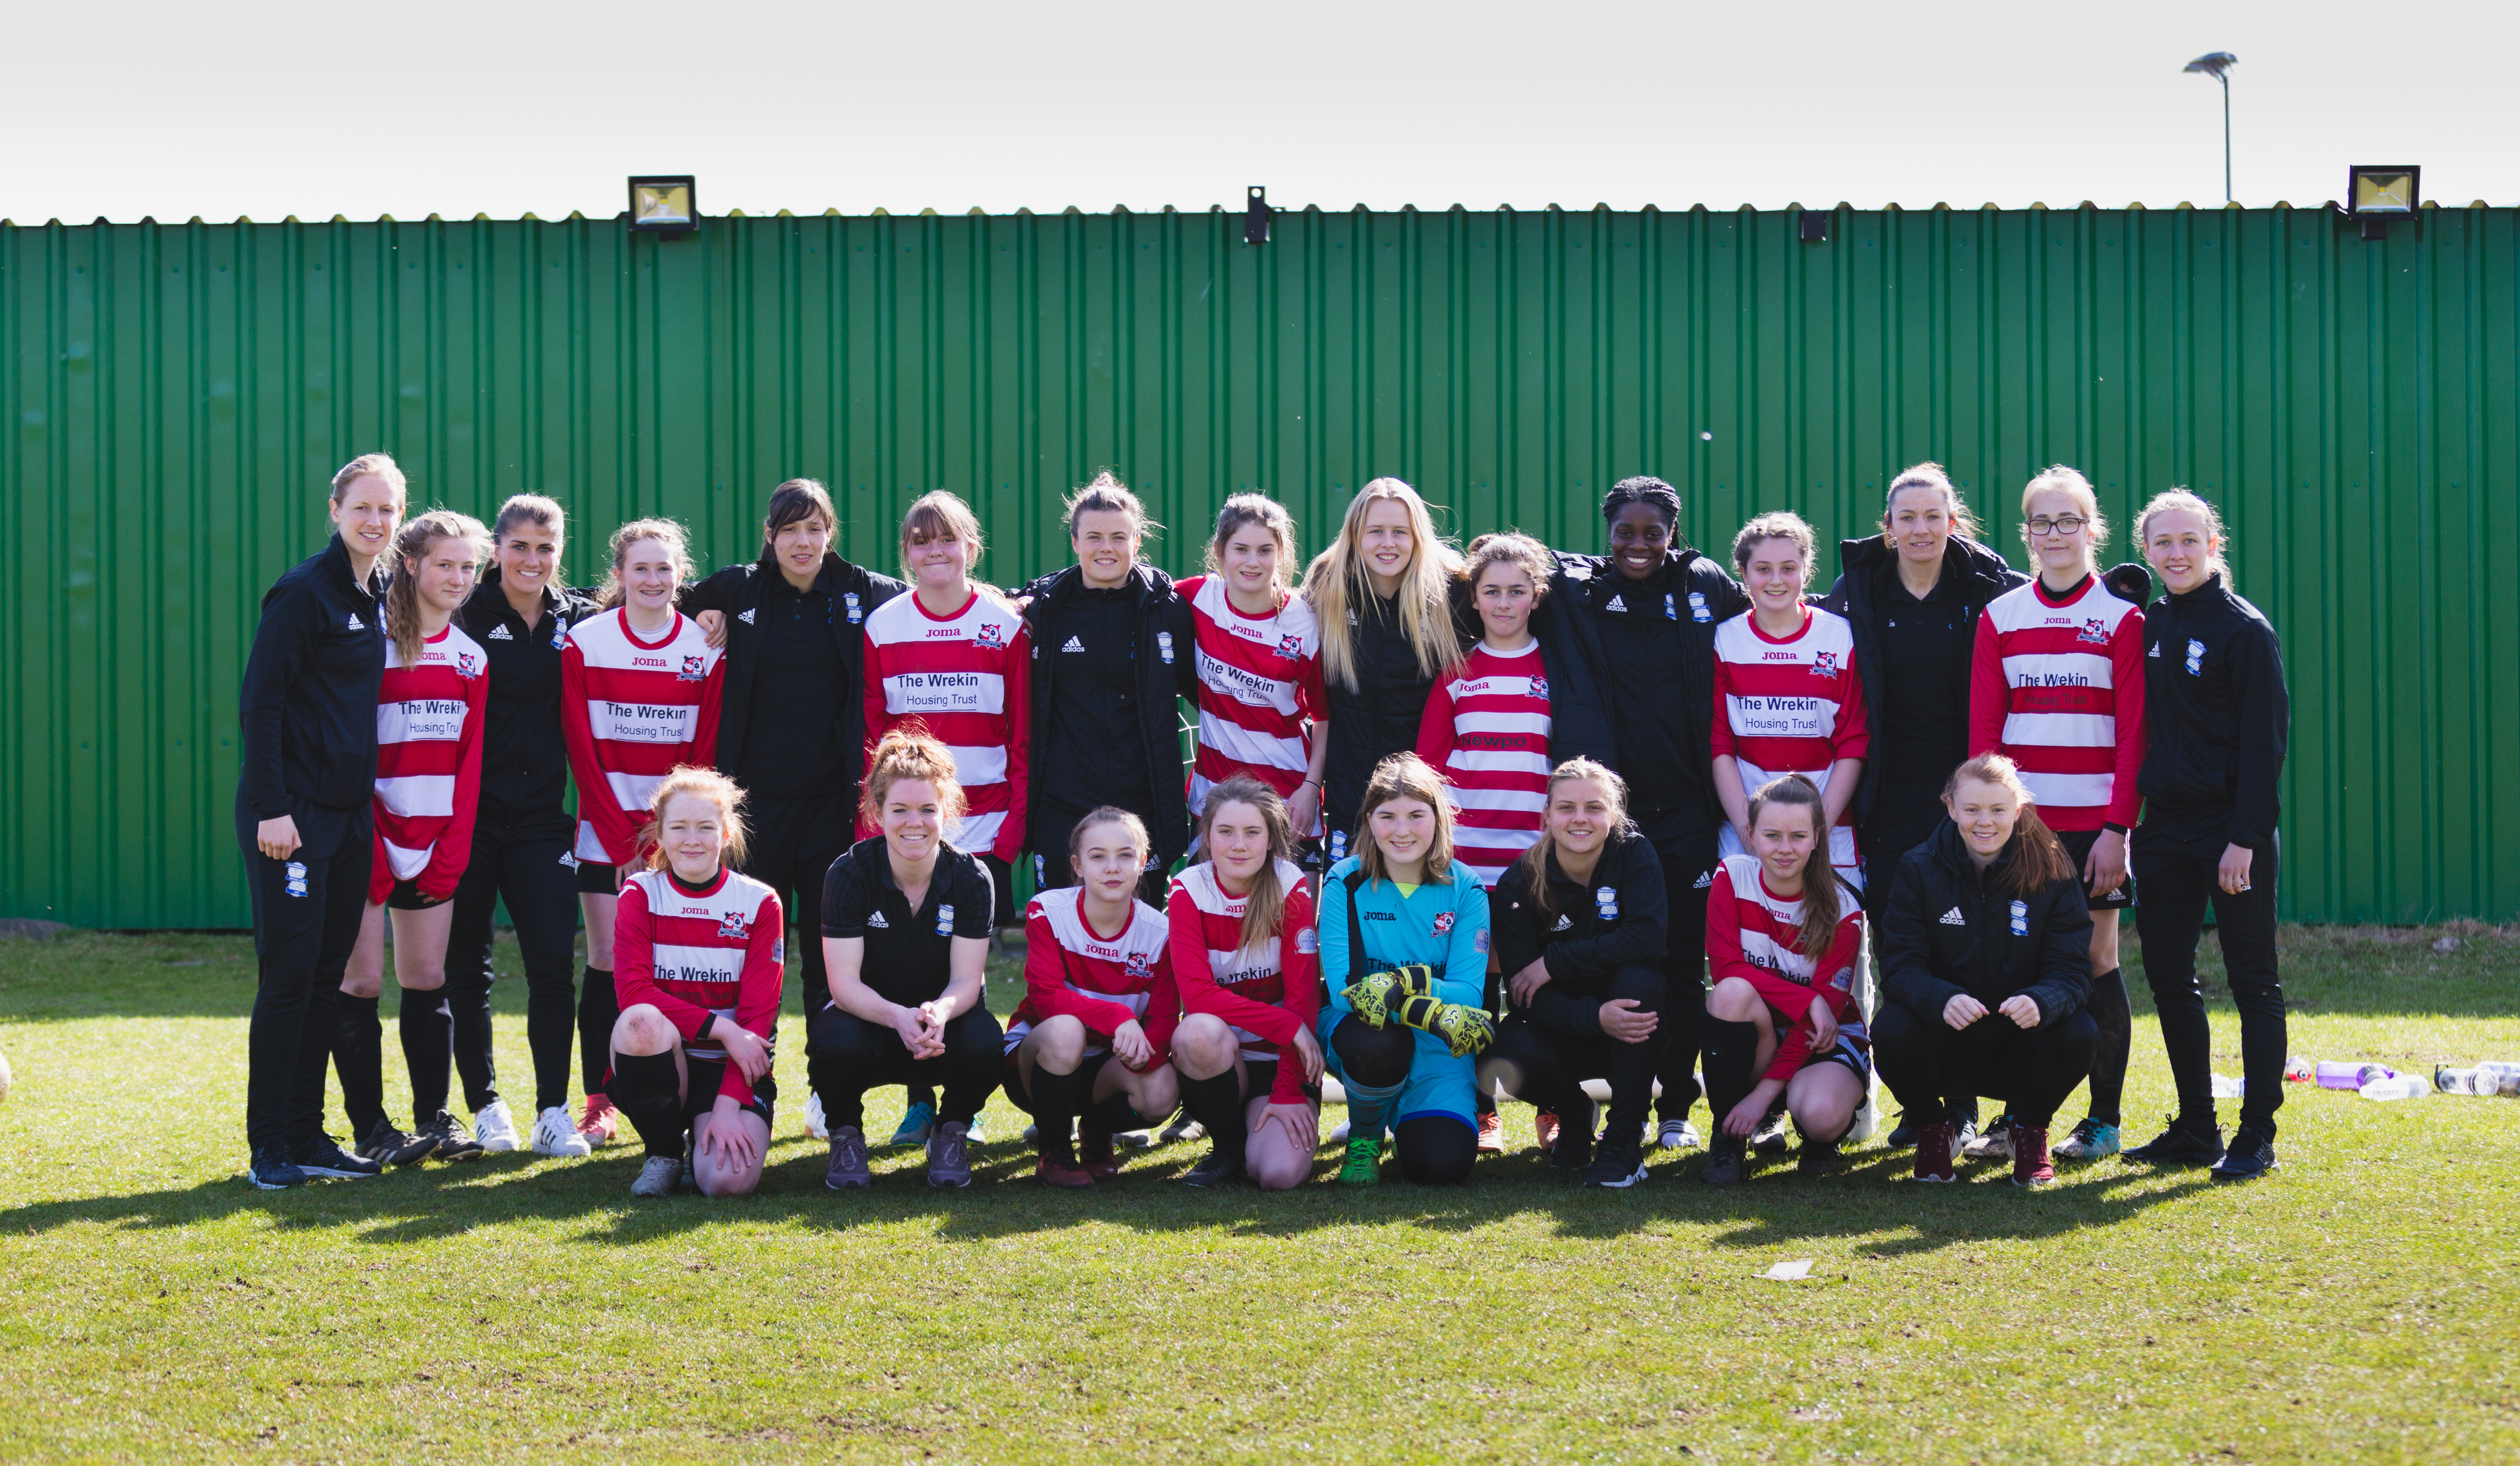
(1256, 217)
(665, 204)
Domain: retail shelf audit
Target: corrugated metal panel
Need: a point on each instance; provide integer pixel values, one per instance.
(176, 397)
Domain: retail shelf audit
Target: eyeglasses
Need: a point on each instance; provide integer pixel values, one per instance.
(2065, 524)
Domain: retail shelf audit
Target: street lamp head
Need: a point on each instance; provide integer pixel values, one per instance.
(2214, 64)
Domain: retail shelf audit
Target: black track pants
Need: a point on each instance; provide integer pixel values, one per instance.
(307, 914)
(540, 887)
(2175, 880)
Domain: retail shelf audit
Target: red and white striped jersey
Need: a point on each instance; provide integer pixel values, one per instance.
(429, 763)
(1102, 982)
(1264, 992)
(1790, 706)
(968, 676)
(1259, 681)
(1486, 728)
(694, 955)
(1756, 935)
(2056, 685)
(632, 709)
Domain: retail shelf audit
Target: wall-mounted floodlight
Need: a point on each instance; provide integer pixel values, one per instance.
(2377, 193)
(1255, 217)
(667, 205)
(2218, 65)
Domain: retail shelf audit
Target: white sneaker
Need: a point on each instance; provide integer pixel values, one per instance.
(971, 1133)
(1679, 1135)
(494, 1127)
(1994, 1143)
(1337, 1134)
(657, 1177)
(1184, 1127)
(556, 1134)
(814, 1124)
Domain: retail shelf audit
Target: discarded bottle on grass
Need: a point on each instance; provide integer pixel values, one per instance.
(2228, 1088)
(2333, 1075)
(2396, 1086)
(2485, 1079)
(2298, 1070)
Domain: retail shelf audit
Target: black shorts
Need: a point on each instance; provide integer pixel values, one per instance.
(700, 1095)
(1014, 1086)
(598, 880)
(405, 897)
(1003, 913)
(2077, 844)
(1262, 1075)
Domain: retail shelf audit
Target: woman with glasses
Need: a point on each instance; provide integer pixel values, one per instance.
(2057, 687)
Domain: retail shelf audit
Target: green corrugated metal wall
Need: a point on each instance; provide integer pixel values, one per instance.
(176, 397)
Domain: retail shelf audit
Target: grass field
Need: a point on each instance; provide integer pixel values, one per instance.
(2358, 1307)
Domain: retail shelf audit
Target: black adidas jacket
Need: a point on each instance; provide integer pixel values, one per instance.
(1651, 645)
(1949, 929)
(1167, 661)
(524, 754)
(1377, 717)
(307, 711)
(852, 591)
(2217, 716)
(1620, 916)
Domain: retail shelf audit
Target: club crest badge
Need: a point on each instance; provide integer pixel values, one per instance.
(1290, 646)
(1823, 664)
(1607, 900)
(2021, 918)
(991, 637)
(857, 612)
(1698, 611)
(1670, 607)
(1443, 923)
(1139, 966)
(734, 927)
(1164, 646)
(693, 669)
(945, 919)
(1540, 687)
(2094, 630)
(2195, 658)
(466, 665)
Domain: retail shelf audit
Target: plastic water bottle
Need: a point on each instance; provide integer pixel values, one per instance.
(2333, 1075)
(2228, 1088)
(2398, 1087)
(2483, 1080)
(2298, 1070)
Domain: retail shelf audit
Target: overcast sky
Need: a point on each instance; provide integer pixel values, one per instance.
(459, 107)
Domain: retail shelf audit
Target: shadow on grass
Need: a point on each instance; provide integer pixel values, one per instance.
(1870, 1198)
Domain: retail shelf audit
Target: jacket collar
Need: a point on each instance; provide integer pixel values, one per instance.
(1962, 557)
(488, 590)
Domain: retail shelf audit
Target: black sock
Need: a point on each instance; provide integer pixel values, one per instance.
(643, 1090)
(1055, 1100)
(917, 1095)
(1216, 1103)
(596, 1010)
(1731, 1050)
(358, 1056)
(2117, 1036)
(427, 1047)
(1110, 1117)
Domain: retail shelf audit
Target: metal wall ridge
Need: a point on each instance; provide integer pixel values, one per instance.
(176, 396)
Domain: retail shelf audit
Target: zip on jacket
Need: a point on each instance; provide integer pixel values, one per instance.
(1662, 715)
(1619, 918)
(852, 593)
(307, 711)
(1167, 668)
(1950, 928)
(2219, 716)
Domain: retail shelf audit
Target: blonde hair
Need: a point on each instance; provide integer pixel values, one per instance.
(1336, 587)
(1266, 906)
(1821, 909)
(412, 544)
(1106, 494)
(1254, 508)
(1929, 475)
(1508, 548)
(1776, 524)
(665, 532)
(910, 751)
(1534, 861)
(940, 515)
(2216, 536)
(2070, 482)
(381, 465)
(1109, 814)
(703, 783)
(538, 509)
(1406, 775)
(2038, 858)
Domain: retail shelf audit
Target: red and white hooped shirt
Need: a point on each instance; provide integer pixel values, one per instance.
(716, 951)
(1265, 992)
(428, 764)
(1756, 935)
(1102, 982)
(1259, 683)
(2056, 685)
(631, 710)
(1486, 728)
(1789, 705)
(968, 676)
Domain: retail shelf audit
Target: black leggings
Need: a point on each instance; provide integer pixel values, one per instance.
(790, 848)
(1433, 1149)
(845, 1056)
(2174, 880)
(306, 916)
(1926, 1061)
(541, 889)
(1548, 1068)
(1686, 847)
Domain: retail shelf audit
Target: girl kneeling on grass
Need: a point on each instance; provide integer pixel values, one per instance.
(1248, 964)
(1092, 1036)
(1784, 938)
(1986, 970)
(1405, 932)
(699, 973)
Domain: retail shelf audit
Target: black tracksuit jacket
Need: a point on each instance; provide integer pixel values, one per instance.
(1381, 714)
(2217, 717)
(1949, 929)
(1651, 645)
(1583, 947)
(524, 754)
(1167, 662)
(852, 591)
(307, 711)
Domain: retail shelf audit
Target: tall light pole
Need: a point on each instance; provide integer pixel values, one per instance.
(2218, 65)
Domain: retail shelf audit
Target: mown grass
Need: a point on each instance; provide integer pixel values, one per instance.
(2355, 1308)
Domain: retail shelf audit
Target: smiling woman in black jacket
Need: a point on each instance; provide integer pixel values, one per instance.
(1986, 969)
(1579, 924)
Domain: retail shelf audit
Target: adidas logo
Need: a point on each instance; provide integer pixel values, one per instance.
(876, 920)
(2155, 652)
(500, 634)
(1564, 922)
(1706, 878)
(355, 623)
(746, 616)
(1953, 917)
(1073, 644)
(1617, 604)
